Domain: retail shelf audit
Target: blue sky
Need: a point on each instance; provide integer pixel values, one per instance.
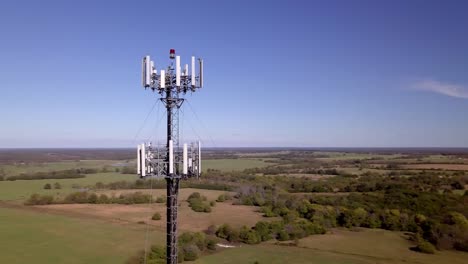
(277, 73)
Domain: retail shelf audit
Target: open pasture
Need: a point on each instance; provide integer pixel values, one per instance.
(339, 246)
(436, 166)
(20, 190)
(42, 238)
(15, 169)
(233, 164)
(189, 220)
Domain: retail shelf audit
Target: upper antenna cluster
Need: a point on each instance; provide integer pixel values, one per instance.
(184, 79)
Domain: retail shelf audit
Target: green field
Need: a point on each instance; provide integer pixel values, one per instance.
(15, 169)
(337, 156)
(22, 189)
(233, 164)
(272, 254)
(29, 237)
(341, 246)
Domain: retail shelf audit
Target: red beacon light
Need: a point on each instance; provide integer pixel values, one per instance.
(172, 53)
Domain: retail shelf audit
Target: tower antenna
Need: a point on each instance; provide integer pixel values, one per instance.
(169, 161)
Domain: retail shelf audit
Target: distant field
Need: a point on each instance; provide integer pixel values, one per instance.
(16, 169)
(29, 237)
(233, 164)
(436, 166)
(22, 189)
(337, 156)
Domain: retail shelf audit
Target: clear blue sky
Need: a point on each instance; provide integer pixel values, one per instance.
(277, 73)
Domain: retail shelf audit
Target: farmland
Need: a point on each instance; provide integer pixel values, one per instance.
(301, 179)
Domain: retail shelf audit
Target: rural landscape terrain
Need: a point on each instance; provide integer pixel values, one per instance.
(251, 205)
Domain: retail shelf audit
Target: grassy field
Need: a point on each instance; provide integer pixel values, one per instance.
(337, 156)
(340, 246)
(233, 164)
(22, 189)
(15, 169)
(189, 220)
(436, 166)
(272, 254)
(29, 237)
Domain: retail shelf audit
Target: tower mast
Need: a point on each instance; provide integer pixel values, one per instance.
(165, 161)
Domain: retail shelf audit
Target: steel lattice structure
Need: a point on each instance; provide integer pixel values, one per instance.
(169, 161)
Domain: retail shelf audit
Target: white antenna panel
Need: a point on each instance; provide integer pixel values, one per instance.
(199, 158)
(201, 73)
(177, 59)
(171, 157)
(147, 71)
(139, 160)
(143, 160)
(185, 167)
(163, 79)
(193, 71)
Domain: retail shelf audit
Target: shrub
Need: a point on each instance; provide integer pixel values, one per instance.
(211, 244)
(161, 199)
(36, 199)
(191, 252)
(211, 230)
(156, 216)
(283, 235)
(425, 247)
(93, 198)
(198, 203)
(227, 232)
(47, 186)
(223, 197)
(57, 186)
(103, 199)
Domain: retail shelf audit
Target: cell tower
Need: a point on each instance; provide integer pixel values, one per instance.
(169, 161)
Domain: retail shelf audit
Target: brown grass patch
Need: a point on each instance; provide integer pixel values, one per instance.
(235, 215)
(436, 166)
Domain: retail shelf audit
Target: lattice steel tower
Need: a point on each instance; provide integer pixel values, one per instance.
(168, 160)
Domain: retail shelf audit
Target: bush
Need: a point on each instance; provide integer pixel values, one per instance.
(425, 247)
(161, 199)
(47, 186)
(156, 216)
(223, 197)
(191, 252)
(36, 199)
(227, 232)
(211, 230)
(57, 186)
(198, 203)
(211, 244)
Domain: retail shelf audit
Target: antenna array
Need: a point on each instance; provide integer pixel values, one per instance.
(169, 161)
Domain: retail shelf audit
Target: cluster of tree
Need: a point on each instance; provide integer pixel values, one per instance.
(155, 184)
(224, 197)
(48, 186)
(286, 229)
(191, 246)
(64, 174)
(199, 203)
(91, 198)
(396, 208)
